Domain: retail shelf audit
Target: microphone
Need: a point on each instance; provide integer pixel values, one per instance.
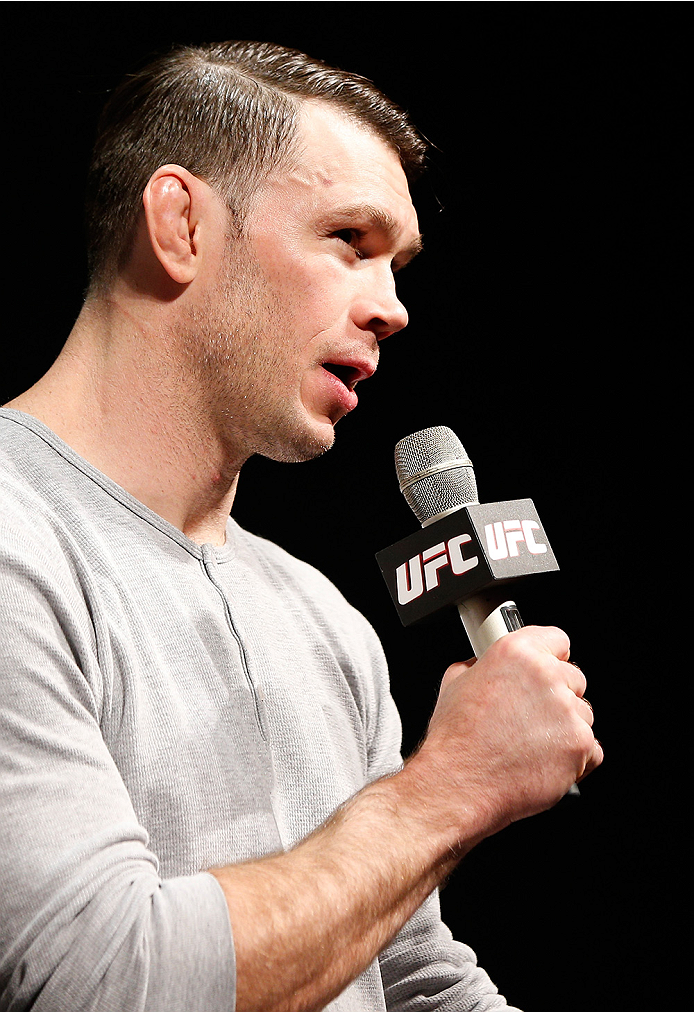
(466, 551)
(436, 477)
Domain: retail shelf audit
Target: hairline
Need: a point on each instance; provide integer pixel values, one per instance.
(236, 182)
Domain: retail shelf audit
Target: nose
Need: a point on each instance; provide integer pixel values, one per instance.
(378, 308)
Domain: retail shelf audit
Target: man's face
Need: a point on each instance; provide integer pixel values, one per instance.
(295, 316)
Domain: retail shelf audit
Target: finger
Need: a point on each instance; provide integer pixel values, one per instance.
(586, 710)
(551, 638)
(575, 678)
(594, 760)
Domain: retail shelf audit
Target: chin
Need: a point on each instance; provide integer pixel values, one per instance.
(307, 445)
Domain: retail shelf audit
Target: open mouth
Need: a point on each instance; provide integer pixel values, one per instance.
(345, 373)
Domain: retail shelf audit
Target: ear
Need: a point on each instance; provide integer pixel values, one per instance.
(172, 202)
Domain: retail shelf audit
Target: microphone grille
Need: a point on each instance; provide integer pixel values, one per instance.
(434, 472)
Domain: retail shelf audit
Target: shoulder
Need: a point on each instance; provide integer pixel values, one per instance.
(44, 559)
(36, 502)
(24, 506)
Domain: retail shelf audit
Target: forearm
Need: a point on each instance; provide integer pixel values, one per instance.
(307, 922)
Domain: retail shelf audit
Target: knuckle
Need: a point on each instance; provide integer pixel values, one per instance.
(586, 745)
(574, 677)
(517, 647)
(558, 642)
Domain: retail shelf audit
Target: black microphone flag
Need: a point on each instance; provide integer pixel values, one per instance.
(475, 548)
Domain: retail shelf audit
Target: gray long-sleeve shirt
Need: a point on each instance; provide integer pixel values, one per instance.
(165, 708)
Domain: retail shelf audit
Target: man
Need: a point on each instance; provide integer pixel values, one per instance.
(203, 805)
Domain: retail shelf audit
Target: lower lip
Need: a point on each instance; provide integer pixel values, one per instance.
(346, 398)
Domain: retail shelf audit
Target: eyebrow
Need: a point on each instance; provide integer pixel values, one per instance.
(384, 222)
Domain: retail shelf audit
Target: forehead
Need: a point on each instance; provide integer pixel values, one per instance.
(339, 162)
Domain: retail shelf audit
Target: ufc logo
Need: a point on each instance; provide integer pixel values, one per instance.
(503, 538)
(422, 571)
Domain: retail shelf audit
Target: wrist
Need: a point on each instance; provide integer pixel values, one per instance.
(439, 827)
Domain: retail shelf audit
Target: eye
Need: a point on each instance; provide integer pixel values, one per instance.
(351, 237)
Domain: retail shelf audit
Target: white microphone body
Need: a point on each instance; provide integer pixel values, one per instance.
(488, 617)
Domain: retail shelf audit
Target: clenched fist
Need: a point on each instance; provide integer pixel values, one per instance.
(510, 734)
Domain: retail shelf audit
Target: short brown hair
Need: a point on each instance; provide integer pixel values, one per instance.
(227, 112)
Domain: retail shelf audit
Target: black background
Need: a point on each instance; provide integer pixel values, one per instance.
(543, 331)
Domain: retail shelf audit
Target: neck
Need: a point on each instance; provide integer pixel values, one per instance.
(121, 398)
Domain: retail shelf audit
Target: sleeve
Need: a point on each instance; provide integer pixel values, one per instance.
(424, 969)
(85, 920)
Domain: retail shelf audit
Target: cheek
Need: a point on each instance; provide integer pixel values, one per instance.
(312, 289)
(319, 293)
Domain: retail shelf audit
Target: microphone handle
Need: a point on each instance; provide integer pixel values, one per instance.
(487, 617)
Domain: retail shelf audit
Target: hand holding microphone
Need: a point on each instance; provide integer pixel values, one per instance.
(465, 555)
